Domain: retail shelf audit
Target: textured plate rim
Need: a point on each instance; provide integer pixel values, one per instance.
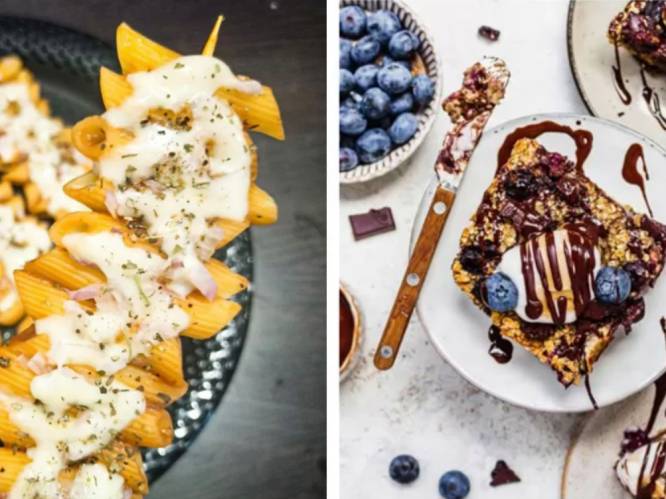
(572, 60)
(433, 337)
(400, 155)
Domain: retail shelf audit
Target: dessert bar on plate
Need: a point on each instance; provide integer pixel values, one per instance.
(641, 29)
(556, 263)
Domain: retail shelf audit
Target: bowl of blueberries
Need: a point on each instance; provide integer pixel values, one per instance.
(390, 85)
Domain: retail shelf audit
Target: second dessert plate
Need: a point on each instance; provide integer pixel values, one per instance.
(459, 330)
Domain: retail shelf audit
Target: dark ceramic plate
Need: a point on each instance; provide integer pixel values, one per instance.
(66, 64)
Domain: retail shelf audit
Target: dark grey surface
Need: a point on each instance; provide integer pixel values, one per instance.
(267, 439)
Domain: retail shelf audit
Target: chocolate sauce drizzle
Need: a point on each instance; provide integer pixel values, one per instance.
(631, 174)
(582, 138)
(620, 87)
(588, 388)
(645, 488)
(652, 100)
(500, 349)
(580, 262)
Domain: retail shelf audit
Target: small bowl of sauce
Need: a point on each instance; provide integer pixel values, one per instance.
(350, 333)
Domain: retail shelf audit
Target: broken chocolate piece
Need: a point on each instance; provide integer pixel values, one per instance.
(489, 33)
(502, 475)
(372, 223)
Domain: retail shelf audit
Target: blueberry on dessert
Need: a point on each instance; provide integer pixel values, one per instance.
(404, 469)
(641, 29)
(556, 263)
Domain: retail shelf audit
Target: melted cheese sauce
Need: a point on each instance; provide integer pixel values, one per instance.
(177, 176)
(104, 408)
(187, 165)
(134, 310)
(29, 134)
(20, 242)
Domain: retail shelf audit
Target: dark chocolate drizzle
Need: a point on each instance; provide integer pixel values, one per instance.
(618, 80)
(630, 172)
(500, 349)
(588, 388)
(580, 262)
(653, 101)
(582, 138)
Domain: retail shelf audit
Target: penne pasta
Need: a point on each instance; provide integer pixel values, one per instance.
(124, 282)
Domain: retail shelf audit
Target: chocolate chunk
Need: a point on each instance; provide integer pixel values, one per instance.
(537, 331)
(489, 33)
(634, 438)
(502, 475)
(371, 223)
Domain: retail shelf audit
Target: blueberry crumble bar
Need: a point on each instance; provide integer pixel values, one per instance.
(641, 29)
(556, 263)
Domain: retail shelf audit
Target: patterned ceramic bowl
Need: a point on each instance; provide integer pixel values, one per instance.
(427, 63)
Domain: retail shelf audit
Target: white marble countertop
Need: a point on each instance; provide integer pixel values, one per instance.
(422, 406)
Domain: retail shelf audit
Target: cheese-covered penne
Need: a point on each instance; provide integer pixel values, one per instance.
(87, 379)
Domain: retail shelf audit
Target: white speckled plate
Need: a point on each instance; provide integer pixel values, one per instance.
(592, 57)
(588, 467)
(426, 117)
(459, 330)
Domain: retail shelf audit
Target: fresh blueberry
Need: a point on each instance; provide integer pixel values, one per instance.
(352, 100)
(423, 89)
(382, 25)
(402, 104)
(365, 50)
(404, 469)
(403, 44)
(403, 128)
(352, 21)
(454, 485)
(347, 81)
(348, 159)
(352, 121)
(373, 145)
(394, 78)
(375, 104)
(612, 285)
(345, 53)
(366, 76)
(501, 293)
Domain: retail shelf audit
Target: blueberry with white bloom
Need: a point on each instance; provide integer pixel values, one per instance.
(454, 485)
(373, 145)
(403, 44)
(347, 81)
(352, 21)
(352, 121)
(345, 53)
(404, 103)
(375, 104)
(365, 50)
(403, 128)
(612, 285)
(394, 78)
(422, 89)
(404, 469)
(382, 25)
(348, 159)
(501, 293)
(366, 77)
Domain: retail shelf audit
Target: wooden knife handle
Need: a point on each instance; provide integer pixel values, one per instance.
(419, 262)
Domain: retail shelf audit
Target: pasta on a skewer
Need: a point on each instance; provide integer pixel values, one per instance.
(173, 180)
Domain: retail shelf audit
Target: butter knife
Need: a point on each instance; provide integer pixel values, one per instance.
(469, 108)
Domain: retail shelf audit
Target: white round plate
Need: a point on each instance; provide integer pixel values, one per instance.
(592, 57)
(588, 467)
(458, 329)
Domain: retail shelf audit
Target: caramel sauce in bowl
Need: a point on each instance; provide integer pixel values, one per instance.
(350, 333)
